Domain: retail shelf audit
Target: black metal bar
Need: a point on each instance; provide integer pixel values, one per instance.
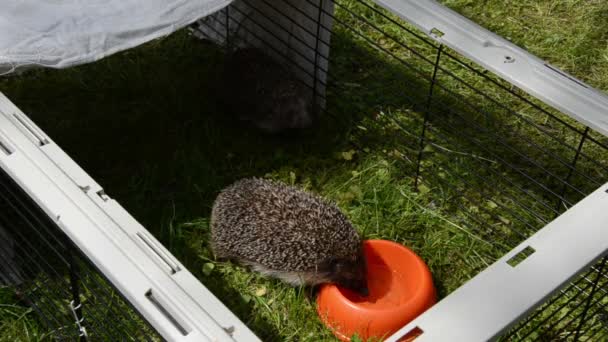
(30, 215)
(571, 169)
(525, 100)
(562, 330)
(516, 201)
(599, 309)
(376, 28)
(276, 36)
(42, 261)
(274, 49)
(48, 317)
(555, 310)
(507, 145)
(603, 330)
(76, 305)
(466, 84)
(472, 106)
(535, 162)
(401, 26)
(460, 80)
(316, 64)
(570, 314)
(525, 119)
(589, 299)
(547, 306)
(25, 248)
(510, 166)
(464, 210)
(499, 158)
(220, 34)
(426, 116)
(484, 194)
(227, 26)
(488, 197)
(305, 15)
(292, 21)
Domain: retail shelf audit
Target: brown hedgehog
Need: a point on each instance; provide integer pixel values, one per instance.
(286, 233)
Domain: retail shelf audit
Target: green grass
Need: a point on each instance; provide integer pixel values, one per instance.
(571, 34)
(17, 323)
(145, 125)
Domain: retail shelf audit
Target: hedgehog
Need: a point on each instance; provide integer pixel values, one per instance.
(283, 232)
(264, 93)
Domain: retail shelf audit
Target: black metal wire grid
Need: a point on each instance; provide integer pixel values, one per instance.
(504, 163)
(53, 277)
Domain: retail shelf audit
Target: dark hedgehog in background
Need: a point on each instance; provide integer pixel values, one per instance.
(264, 93)
(286, 233)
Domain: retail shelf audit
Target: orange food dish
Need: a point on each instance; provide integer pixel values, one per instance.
(400, 288)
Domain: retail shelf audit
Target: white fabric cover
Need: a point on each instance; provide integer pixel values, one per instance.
(64, 33)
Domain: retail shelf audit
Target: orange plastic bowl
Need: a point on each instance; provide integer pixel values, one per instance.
(400, 288)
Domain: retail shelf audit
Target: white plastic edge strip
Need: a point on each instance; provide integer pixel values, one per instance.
(507, 60)
(502, 294)
(134, 261)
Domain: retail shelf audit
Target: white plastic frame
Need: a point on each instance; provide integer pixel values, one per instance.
(502, 294)
(169, 297)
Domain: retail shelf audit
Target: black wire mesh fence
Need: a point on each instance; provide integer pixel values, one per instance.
(501, 163)
(53, 277)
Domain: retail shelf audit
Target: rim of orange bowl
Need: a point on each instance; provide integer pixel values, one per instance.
(375, 311)
(422, 270)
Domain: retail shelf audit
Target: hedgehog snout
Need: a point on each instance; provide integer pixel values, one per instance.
(352, 275)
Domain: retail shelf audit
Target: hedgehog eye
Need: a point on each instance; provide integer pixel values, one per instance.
(336, 265)
(343, 268)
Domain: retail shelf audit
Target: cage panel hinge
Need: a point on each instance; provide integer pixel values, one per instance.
(79, 321)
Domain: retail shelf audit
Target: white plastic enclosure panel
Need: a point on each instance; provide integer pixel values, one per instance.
(507, 60)
(169, 297)
(502, 294)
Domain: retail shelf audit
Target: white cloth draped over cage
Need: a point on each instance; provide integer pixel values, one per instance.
(64, 33)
